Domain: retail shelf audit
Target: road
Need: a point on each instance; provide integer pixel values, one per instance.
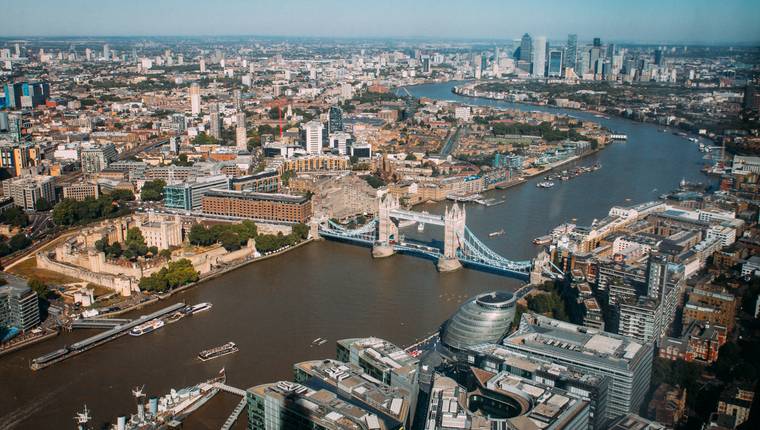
(451, 142)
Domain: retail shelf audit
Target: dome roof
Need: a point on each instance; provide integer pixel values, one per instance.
(483, 319)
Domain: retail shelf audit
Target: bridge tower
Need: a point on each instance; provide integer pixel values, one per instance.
(453, 233)
(386, 226)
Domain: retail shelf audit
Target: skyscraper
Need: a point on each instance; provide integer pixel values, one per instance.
(195, 99)
(241, 140)
(571, 51)
(314, 131)
(237, 99)
(215, 123)
(555, 63)
(597, 42)
(539, 57)
(526, 48)
(203, 65)
(335, 120)
(659, 56)
(106, 52)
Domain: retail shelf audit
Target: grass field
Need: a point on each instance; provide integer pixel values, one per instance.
(28, 269)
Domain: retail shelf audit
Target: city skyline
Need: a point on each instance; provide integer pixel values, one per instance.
(645, 22)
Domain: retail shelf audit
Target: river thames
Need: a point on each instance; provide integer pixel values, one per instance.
(274, 309)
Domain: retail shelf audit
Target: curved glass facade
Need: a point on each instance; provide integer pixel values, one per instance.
(482, 319)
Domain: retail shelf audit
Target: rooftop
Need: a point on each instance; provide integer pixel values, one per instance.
(322, 406)
(577, 343)
(350, 380)
(248, 195)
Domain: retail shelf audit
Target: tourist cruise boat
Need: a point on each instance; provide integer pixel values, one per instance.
(219, 351)
(200, 307)
(545, 184)
(147, 327)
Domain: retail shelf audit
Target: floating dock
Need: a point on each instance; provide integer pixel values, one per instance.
(99, 339)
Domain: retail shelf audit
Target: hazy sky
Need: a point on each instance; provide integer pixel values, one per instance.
(712, 21)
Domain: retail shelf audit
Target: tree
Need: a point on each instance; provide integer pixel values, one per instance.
(153, 190)
(40, 288)
(18, 242)
(182, 161)
(200, 235)
(135, 243)
(175, 274)
(122, 195)
(229, 240)
(42, 205)
(165, 253)
(14, 216)
(204, 139)
(301, 231)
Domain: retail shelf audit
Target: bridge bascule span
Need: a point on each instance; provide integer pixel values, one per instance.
(460, 245)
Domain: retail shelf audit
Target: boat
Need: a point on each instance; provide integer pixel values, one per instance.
(317, 340)
(176, 316)
(545, 184)
(147, 327)
(322, 342)
(496, 233)
(219, 351)
(543, 240)
(405, 223)
(200, 307)
(169, 410)
(420, 227)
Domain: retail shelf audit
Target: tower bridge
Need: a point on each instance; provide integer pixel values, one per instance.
(460, 245)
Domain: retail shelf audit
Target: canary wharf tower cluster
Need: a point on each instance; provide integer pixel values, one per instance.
(380, 216)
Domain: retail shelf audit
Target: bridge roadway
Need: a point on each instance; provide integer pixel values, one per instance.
(417, 217)
(472, 252)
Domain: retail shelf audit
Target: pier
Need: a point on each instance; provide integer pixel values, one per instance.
(99, 323)
(238, 409)
(99, 339)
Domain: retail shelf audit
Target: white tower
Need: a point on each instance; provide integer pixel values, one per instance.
(314, 130)
(195, 99)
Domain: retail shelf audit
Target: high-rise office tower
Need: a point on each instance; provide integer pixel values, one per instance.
(659, 56)
(18, 50)
(426, 64)
(314, 131)
(582, 65)
(597, 42)
(241, 140)
(195, 99)
(571, 51)
(88, 54)
(178, 121)
(237, 99)
(539, 56)
(26, 94)
(203, 65)
(106, 52)
(526, 48)
(215, 125)
(611, 48)
(595, 64)
(554, 68)
(335, 120)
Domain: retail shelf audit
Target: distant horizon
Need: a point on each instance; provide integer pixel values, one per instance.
(675, 43)
(643, 22)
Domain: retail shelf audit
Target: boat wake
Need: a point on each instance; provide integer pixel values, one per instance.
(15, 418)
